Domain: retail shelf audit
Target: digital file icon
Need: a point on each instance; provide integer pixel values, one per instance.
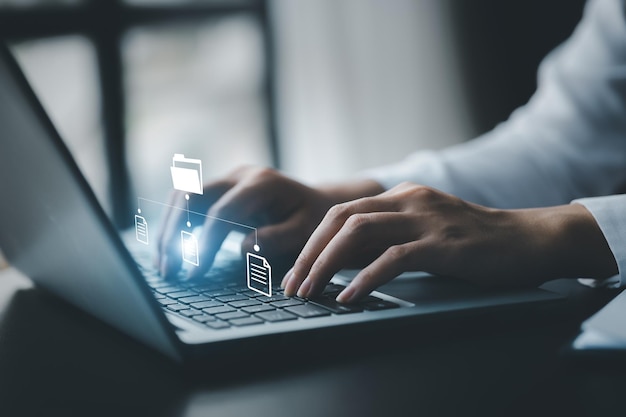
(141, 229)
(186, 174)
(189, 245)
(259, 274)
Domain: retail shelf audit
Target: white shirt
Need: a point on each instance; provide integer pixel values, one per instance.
(567, 144)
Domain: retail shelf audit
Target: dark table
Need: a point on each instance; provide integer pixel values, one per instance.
(56, 360)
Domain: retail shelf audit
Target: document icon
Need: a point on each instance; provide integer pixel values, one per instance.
(186, 174)
(189, 245)
(259, 274)
(141, 229)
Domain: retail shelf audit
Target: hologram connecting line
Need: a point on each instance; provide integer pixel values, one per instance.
(256, 236)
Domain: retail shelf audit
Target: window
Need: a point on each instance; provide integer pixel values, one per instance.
(128, 84)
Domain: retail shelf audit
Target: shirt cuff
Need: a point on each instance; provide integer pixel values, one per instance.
(610, 214)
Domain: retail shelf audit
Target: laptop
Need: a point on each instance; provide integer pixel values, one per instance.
(53, 230)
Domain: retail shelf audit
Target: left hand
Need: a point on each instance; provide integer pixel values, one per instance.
(416, 228)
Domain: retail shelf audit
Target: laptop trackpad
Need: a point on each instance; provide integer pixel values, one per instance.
(423, 289)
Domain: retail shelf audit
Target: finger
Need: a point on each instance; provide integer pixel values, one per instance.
(356, 238)
(394, 261)
(173, 197)
(325, 231)
(176, 219)
(170, 256)
(229, 212)
(286, 278)
(280, 239)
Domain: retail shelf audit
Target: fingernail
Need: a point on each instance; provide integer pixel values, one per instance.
(304, 288)
(286, 278)
(345, 296)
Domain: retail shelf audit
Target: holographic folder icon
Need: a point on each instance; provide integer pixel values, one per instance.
(186, 174)
(259, 274)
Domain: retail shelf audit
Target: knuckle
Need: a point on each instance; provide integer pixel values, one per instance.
(404, 185)
(302, 261)
(357, 223)
(423, 192)
(398, 254)
(265, 173)
(338, 211)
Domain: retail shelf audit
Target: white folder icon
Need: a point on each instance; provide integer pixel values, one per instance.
(186, 174)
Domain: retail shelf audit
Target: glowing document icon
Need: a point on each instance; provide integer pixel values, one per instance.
(186, 174)
(189, 245)
(141, 229)
(259, 274)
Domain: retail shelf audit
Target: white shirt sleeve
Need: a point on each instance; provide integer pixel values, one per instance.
(567, 143)
(610, 214)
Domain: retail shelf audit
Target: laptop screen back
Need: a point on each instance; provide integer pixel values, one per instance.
(51, 227)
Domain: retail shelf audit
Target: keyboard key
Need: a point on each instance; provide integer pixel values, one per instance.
(273, 298)
(250, 293)
(204, 287)
(368, 299)
(333, 288)
(247, 321)
(286, 303)
(159, 284)
(380, 305)
(159, 296)
(335, 307)
(258, 309)
(308, 310)
(196, 298)
(219, 293)
(232, 315)
(177, 307)
(166, 301)
(218, 310)
(165, 290)
(231, 298)
(244, 303)
(202, 318)
(193, 299)
(181, 294)
(206, 304)
(189, 312)
(217, 324)
(276, 315)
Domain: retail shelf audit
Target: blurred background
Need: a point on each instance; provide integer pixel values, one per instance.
(320, 89)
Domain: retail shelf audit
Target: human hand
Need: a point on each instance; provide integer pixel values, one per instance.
(415, 228)
(284, 211)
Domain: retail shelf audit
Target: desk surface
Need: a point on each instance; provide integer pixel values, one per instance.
(55, 360)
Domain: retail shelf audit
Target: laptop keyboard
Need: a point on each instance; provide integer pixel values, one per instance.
(218, 304)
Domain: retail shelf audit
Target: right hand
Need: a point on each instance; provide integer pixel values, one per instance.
(285, 212)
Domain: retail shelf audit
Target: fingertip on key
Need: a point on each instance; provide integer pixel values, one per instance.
(286, 278)
(346, 296)
(303, 292)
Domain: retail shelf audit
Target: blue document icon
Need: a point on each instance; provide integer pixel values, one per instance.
(259, 274)
(141, 229)
(189, 245)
